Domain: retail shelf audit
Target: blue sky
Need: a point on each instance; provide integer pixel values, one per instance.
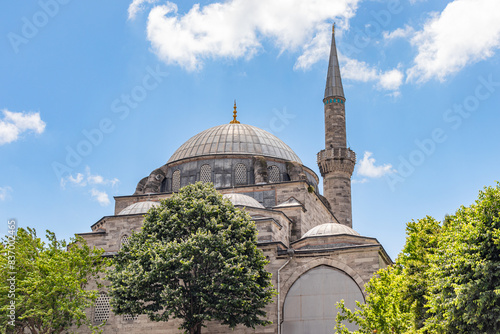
(95, 95)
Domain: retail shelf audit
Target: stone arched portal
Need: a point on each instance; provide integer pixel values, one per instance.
(310, 305)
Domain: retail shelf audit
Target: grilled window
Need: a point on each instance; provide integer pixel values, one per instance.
(124, 241)
(206, 174)
(274, 174)
(129, 317)
(176, 181)
(240, 174)
(101, 308)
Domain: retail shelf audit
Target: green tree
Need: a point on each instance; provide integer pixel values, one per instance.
(195, 259)
(464, 295)
(396, 301)
(46, 282)
(383, 312)
(422, 243)
(446, 280)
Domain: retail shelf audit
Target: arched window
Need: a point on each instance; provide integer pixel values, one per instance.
(176, 181)
(124, 241)
(101, 308)
(240, 174)
(274, 174)
(206, 174)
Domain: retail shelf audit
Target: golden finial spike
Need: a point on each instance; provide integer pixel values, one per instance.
(234, 121)
(333, 28)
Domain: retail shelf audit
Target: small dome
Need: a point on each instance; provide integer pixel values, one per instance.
(234, 139)
(243, 200)
(329, 229)
(139, 207)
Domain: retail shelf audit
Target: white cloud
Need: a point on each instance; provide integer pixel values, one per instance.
(391, 80)
(236, 28)
(78, 180)
(317, 49)
(90, 180)
(465, 32)
(353, 69)
(5, 192)
(359, 181)
(405, 32)
(136, 6)
(95, 179)
(14, 124)
(100, 196)
(98, 179)
(394, 94)
(83, 180)
(368, 168)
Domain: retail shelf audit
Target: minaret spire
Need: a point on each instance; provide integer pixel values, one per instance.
(333, 80)
(336, 162)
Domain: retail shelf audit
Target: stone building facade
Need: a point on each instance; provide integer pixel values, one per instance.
(316, 258)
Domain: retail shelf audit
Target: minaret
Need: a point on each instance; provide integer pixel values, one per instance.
(336, 162)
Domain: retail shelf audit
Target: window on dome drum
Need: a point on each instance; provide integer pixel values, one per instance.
(176, 181)
(240, 174)
(206, 174)
(101, 308)
(124, 241)
(274, 174)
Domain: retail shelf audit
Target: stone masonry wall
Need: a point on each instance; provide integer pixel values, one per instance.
(335, 127)
(337, 189)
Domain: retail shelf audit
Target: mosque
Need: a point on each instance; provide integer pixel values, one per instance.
(316, 257)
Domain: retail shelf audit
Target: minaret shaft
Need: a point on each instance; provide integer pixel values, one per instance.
(335, 129)
(336, 162)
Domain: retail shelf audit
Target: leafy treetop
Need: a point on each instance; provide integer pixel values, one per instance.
(46, 282)
(195, 259)
(446, 280)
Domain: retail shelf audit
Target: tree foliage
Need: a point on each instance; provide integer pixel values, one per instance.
(395, 300)
(195, 259)
(446, 279)
(46, 282)
(464, 294)
(382, 313)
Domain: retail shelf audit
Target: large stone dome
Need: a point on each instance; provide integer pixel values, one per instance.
(236, 139)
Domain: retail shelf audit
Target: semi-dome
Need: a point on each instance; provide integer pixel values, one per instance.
(234, 138)
(243, 200)
(139, 207)
(329, 229)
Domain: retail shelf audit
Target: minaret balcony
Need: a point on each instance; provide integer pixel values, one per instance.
(336, 160)
(337, 153)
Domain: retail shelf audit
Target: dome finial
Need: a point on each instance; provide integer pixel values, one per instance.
(234, 121)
